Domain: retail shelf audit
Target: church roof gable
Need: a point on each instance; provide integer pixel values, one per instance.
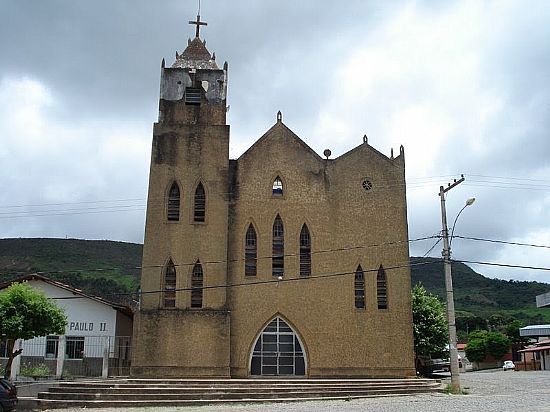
(366, 146)
(271, 133)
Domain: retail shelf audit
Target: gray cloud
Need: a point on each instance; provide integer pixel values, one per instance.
(464, 86)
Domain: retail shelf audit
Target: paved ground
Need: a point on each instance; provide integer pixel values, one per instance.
(489, 391)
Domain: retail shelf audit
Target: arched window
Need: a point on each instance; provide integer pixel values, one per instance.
(382, 289)
(305, 252)
(250, 252)
(196, 286)
(200, 203)
(278, 351)
(278, 255)
(173, 212)
(278, 186)
(359, 288)
(169, 295)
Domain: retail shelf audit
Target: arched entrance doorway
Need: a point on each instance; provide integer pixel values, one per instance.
(278, 351)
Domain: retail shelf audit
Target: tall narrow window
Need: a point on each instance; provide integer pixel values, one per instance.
(278, 255)
(174, 202)
(200, 203)
(382, 288)
(169, 297)
(359, 288)
(196, 286)
(278, 186)
(305, 252)
(250, 252)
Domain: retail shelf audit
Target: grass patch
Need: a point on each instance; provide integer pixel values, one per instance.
(450, 391)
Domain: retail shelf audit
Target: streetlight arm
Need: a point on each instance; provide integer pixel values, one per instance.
(469, 202)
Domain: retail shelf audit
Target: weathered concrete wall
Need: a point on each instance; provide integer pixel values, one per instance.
(181, 343)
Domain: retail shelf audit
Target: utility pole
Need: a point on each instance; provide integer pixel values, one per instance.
(453, 353)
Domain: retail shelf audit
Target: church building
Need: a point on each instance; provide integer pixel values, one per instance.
(278, 263)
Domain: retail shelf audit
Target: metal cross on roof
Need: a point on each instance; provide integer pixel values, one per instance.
(198, 23)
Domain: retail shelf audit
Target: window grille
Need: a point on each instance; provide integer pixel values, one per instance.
(200, 203)
(170, 285)
(174, 203)
(382, 288)
(278, 351)
(305, 252)
(278, 186)
(192, 96)
(278, 255)
(250, 252)
(196, 286)
(52, 343)
(359, 288)
(74, 347)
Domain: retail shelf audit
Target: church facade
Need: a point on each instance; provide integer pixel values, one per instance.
(278, 263)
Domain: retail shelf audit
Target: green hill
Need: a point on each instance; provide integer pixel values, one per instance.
(98, 267)
(478, 296)
(111, 270)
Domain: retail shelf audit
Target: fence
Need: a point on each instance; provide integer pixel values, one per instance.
(72, 356)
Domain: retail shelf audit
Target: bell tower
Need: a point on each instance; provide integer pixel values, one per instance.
(184, 270)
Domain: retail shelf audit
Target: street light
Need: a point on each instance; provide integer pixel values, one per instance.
(469, 202)
(453, 353)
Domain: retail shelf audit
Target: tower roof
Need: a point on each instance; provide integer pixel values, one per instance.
(196, 56)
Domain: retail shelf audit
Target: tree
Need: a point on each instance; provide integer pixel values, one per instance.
(26, 313)
(497, 321)
(497, 344)
(482, 343)
(512, 332)
(429, 323)
(468, 322)
(476, 349)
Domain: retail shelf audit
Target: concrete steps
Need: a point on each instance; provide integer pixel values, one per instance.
(182, 392)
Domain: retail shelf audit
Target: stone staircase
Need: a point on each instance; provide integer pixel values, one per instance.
(184, 392)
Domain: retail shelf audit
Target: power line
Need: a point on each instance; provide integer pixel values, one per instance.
(502, 242)
(321, 251)
(258, 282)
(506, 265)
(125, 209)
(74, 203)
(430, 249)
(511, 178)
(411, 183)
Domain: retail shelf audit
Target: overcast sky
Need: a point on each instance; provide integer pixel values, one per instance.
(464, 86)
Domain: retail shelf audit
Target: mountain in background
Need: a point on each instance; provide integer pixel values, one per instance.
(111, 270)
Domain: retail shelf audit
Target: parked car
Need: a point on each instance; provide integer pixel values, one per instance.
(429, 367)
(8, 396)
(508, 365)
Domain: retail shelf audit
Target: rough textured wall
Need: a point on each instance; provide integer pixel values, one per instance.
(328, 196)
(173, 343)
(190, 145)
(187, 154)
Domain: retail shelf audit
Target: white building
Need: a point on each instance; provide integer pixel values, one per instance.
(98, 332)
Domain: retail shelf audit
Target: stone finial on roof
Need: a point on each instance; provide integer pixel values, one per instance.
(195, 56)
